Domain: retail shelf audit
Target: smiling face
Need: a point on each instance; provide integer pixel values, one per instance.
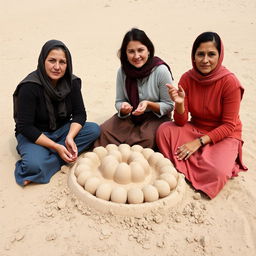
(55, 65)
(206, 57)
(137, 53)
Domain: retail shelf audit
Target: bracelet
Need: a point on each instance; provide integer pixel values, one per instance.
(201, 141)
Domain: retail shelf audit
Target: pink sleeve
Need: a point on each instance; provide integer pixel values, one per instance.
(232, 95)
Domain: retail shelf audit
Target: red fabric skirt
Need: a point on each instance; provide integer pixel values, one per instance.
(209, 168)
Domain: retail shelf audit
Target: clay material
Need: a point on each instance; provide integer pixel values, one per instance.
(121, 177)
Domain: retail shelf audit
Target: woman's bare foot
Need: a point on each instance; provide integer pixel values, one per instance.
(26, 182)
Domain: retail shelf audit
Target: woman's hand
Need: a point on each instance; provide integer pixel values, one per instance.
(71, 147)
(186, 150)
(126, 108)
(177, 95)
(64, 154)
(141, 108)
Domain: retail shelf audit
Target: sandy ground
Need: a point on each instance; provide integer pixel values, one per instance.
(47, 219)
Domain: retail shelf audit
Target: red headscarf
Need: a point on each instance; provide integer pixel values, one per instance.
(219, 72)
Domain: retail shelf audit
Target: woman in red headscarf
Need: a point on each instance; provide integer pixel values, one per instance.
(205, 140)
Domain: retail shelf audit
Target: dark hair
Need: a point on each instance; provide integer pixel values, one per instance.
(135, 35)
(206, 37)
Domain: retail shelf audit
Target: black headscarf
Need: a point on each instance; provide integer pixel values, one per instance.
(52, 93)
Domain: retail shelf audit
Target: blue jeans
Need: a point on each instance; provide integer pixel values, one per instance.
(38, 164)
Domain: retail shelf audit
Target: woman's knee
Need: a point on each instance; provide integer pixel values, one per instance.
(163, 130)
(90, 130)
(32, 164)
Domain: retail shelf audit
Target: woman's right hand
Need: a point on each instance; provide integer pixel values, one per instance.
(177, 95)
(64, 154)
(62, 151)
(126, 108)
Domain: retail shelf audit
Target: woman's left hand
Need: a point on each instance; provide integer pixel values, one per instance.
(186, 150)
(141, 108)
(71, 147)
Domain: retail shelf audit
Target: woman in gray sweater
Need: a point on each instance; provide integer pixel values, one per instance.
(142, 99)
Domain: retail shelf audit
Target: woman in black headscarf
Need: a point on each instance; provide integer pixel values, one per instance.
(50, 117)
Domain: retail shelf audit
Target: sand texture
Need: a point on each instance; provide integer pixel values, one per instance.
(49, 219)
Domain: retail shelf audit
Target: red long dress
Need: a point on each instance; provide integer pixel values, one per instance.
(214, 110)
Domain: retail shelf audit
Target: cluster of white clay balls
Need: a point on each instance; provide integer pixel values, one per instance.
(112, 172)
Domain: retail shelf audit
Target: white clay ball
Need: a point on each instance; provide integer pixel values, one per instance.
(135, 155)
(93, 157)
(125, 151)
(100, 151)
(163, 162)
(92, 184)
(111, 147)
(137, 148)
(169, 169)
(116, 154)
(135, 196)
(108, 166)
(86, 161)
(125, 154)
(150, 193)
(124, 146)
(144, 163)
(123, 174)
(119, 195)
(154, 158)
(83, 176)
(81, 168)
(104, 191)
(170, 179)
(147, 152)
(137, 172)
(162, 187)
